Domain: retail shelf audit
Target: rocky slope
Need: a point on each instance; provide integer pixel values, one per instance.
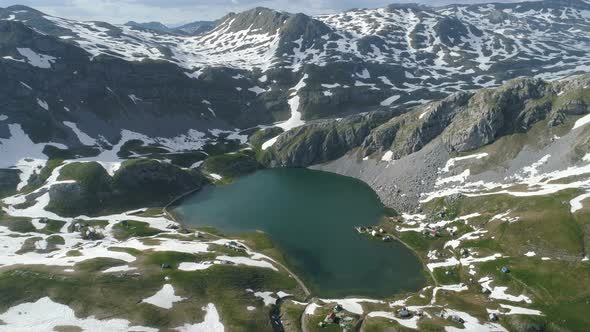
(373, 145)
(190, 29)
(263, 66)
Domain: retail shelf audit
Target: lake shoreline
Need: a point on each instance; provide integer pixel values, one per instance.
(316, 237)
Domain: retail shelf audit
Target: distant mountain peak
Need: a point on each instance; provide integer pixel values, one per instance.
(156, 26)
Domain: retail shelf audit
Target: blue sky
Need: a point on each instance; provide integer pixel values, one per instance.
(181, 11)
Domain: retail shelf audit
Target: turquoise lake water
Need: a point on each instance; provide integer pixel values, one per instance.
(310, 216)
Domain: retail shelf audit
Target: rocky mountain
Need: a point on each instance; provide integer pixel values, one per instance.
(196, 28)
(155, 26)
(190, 29)
(402, 152)
(263, 66)
(470, 122)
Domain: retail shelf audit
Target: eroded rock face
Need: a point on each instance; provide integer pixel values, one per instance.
(491, 113)
(409, 132)
(326, 140)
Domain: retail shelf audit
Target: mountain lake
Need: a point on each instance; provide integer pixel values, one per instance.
(310, 216)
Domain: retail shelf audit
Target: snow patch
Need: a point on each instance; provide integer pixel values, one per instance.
(43, 104)
(82, 137)
(164, 298)
(36, 59)
(390, 100)
(46, 315)
(212, 322)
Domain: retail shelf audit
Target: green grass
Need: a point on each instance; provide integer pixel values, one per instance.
(37, 181)
(262, 243)
(73, 253)
(231, 165)
(91, 176)
(418, 241)
(546, 226)
(16, 224)
(53, 152)
(130, 251)
(53, 226)
(447, 276)
(132, 228)
(558, 287)
(138, 183)
(55, 240)
(186, 159)
(98, 264)
(174, 258)
(95, 188)
(227, 285)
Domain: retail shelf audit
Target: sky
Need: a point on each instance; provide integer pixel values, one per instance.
(183, 11)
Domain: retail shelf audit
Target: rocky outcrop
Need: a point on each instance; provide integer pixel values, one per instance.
(463, 121)
(326, 140)
(231, 165)
(138, 183)
(409, 132)
(515, 108)
(159, 179)
(491, 113)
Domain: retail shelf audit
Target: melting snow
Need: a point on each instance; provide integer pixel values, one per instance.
(135, 99)
(43, 104)
(257, 90)
(451, 162)
(576, 203)
(512, 310)
(164, 298)
(212, 322)
(582, 121)
(388, 156)
(35, 59)
(247, 261)
(122, 268)
(390, 100)
(411, 322)
(266, 297)
(351, 305)
(27, 168)
(269, 143)
(46, 315)
(82, 137)
(19, 145)
(499, 293)
(295, 119)
(216, 176)
(310, 309)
